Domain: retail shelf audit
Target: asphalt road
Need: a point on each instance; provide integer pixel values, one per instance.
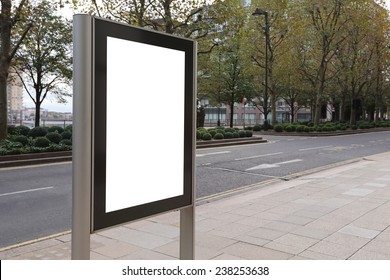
(227, 168)
(36, 201)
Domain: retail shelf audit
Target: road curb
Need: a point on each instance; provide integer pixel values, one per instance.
(32, 241)
(33, 159)
(229, 142)
(323, 134)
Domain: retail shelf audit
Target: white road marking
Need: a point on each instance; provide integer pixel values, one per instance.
(32, 190)
(241, 172)
(215, 153)
(259, 156)
(315, 148)
(264, 166)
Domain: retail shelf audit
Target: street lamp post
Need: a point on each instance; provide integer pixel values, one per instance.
(260, 12)
(219, 90)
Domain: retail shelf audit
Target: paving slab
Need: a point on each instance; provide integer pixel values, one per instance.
(359, 231)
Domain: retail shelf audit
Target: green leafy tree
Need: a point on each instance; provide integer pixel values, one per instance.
(13, 28)
(223, 77)
(278, 30)
(44, 60)
(326, 22)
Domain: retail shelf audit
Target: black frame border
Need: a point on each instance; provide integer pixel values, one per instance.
(102, 29)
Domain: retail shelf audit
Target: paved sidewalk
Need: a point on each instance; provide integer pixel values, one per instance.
(340, 213)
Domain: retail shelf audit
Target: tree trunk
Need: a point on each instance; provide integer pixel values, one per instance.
(3, 104)
(273, 108)
(292, 111)
(231, 113)
(352, 118)
(168, 16)
(5, 48)
(37, 113)
(342, 108)
(320, 94)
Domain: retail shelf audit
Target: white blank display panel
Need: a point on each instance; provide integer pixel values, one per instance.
(145, 123)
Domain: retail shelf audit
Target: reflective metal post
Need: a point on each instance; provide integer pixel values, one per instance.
(82, 136)
(187, 215)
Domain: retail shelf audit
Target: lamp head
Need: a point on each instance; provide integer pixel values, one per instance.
(259, 12)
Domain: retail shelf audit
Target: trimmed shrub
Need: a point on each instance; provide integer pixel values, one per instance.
(13, 130)
(364, 125)
(236, 135)
(307, 129)
(212, 132)
(229, 129)
(66, 142)
(68, 128)
(289, 128)
(354, 127)
(15, 151)
(55, 128)
(300, 128)
(257, 127)
(54, 137)
(242, 133)
(198, 135)
(21, 139)
(18, 130)
(23, 130)
(248, 133)
(266, 126)
(41, 142)
(68, 135)
(222, 131)
(206, 136)
(219, 136)
(37, 132)
(278, 128)
(294, 127)
(228, 135)
(248, 128)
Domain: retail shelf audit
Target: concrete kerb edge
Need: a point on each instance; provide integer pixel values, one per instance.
(29, 242)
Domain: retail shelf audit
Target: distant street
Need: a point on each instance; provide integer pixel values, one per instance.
(36, 201)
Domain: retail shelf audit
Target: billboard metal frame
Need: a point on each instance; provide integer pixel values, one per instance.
(89, 137)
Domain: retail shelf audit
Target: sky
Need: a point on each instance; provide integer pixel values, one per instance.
(51, 104)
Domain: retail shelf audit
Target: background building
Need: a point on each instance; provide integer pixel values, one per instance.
(15, 99)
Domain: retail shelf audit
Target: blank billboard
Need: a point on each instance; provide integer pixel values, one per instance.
(145, 91)
(143, 123)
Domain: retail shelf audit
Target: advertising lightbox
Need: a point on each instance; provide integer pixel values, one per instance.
(143, 128)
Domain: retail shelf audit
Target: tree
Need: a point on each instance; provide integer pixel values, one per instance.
(44, 60)
(278, 22)
(326, 21)
(12, 35)
(223, 77)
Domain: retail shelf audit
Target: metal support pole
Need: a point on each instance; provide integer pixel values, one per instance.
(266, 60)
(187, 215)
(82, 136)
(187, 233)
